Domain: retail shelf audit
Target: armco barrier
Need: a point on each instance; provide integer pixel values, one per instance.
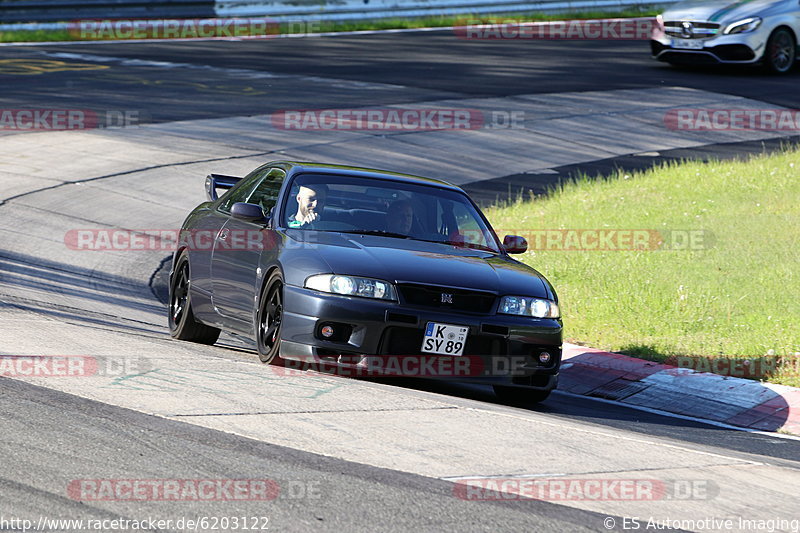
(66, 10)
(358, 9)
(49, 14)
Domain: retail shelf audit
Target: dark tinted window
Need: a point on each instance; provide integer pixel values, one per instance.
(350, 204)
(241, 191)
(266, 192)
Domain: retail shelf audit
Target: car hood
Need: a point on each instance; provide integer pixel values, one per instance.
(410, 261)
(722, 12)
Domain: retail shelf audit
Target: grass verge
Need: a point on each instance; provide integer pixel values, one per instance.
(376, 24)
(733, 294)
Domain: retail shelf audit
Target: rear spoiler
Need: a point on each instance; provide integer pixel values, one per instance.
(219, 181)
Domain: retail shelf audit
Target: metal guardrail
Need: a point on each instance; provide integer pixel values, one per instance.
(67, 10)
(44, 13)
(362, 9)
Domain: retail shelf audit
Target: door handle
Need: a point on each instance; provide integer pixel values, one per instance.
(224, 234)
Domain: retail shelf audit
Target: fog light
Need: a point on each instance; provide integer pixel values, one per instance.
(544, 358)
(326, 331)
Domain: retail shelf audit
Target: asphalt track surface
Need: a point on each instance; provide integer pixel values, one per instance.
(328, 494)
(391, 68)
(425, 64)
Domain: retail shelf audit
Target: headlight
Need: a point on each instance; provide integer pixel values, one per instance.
(743, 26)
(352, 286)
(525, 306)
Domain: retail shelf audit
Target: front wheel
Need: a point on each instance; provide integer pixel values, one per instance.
(269, 317)
(520, 395)
(781, 51)
(182, 324)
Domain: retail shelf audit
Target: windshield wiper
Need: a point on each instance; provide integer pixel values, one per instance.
(377, 232)
(462, 245)
(473, 245)
(382, 233)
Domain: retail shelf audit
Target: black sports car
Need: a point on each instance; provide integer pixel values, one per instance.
(369, 270)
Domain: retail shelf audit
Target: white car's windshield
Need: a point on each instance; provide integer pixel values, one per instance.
(393, 209)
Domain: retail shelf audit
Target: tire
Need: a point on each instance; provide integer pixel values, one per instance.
(780, 52)
(182, 324)
(269, 318)
(519, 395)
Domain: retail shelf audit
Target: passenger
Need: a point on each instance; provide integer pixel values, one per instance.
(310, 205)
(400, 217)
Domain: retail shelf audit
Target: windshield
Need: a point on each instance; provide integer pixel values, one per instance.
(392, 209)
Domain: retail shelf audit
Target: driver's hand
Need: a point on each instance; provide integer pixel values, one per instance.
(309, 218)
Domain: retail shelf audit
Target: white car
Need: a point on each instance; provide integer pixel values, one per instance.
(739, 32)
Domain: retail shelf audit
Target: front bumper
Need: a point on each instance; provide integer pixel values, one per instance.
(741, 48)
(376, 337)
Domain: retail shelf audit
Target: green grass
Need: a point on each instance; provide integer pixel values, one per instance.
(376, 24)
(737, 297)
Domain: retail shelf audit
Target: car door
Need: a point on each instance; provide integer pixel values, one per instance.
(200, 240)
(237, 253)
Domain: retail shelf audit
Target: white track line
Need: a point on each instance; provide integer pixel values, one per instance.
(239, 73)
(236, 39)
(303, 35)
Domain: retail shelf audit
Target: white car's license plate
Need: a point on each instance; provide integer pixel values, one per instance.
(687, 44)
(444, 339)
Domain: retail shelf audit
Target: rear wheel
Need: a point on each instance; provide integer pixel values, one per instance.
(781, 51)
(269, 318)
(182, 324)
(519, 395)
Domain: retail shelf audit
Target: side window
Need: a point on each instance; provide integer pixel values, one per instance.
(441, 219)
(468, 224)
(266, 192)
(241, 191)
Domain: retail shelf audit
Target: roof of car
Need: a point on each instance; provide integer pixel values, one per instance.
(307, 166)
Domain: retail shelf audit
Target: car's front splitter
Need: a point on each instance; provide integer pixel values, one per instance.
(385, 338)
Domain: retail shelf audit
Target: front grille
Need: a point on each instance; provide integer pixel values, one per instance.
(697, 30)
(689, 59)
(733, 52)
(703, 25)
(535, 380)
(399, 340)
(437, 297)
(408, 341)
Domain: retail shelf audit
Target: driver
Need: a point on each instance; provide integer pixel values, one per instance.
(400, 217)
(310, 205)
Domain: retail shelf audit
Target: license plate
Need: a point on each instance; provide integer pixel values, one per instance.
(687, 44)
(444, 339)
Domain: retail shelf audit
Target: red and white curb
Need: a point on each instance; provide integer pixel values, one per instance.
(729, 400)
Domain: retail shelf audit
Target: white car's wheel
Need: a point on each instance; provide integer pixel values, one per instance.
(781, 51)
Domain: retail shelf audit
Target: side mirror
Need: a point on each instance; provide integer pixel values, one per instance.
(249, 212)
(514, 244)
